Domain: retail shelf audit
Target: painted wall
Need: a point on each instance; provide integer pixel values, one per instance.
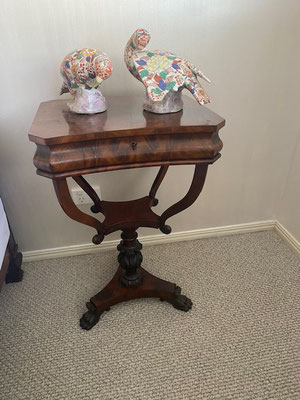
(289, 202)
(249, 49)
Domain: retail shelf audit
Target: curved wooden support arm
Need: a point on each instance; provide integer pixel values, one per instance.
(157, 182)
(67, 204)
(191, 196)
(90, 192)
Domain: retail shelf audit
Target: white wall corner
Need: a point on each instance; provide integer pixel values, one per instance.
(288, 237)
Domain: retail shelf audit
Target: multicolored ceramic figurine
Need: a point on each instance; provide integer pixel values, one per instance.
(164, 75)
(83, 71)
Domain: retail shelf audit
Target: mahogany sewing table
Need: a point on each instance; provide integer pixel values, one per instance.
(125, 136)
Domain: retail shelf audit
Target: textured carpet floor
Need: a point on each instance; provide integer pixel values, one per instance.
(240, 341)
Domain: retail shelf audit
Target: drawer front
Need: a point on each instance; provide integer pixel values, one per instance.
(116, 152)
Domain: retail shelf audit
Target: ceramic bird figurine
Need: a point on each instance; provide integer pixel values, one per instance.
(164, 75)
(83, 71)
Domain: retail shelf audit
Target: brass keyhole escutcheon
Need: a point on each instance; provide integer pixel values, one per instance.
(133, 145)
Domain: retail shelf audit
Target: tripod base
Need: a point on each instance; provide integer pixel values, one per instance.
(115, 293)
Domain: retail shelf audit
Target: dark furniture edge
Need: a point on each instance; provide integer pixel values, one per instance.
(4, 267)
(120, 134)
(14, 272)
(11, 270)
(80, 172)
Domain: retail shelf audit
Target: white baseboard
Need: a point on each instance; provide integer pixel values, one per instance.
(288, 237)
(88, 248)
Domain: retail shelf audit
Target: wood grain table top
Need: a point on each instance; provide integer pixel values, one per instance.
(55, 124)
(124, 136)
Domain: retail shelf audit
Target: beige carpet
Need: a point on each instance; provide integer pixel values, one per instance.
(240, 341)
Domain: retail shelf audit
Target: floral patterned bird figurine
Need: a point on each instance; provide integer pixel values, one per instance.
(83, 71)
(164, 75)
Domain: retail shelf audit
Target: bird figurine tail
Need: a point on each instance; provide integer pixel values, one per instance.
(199, 73)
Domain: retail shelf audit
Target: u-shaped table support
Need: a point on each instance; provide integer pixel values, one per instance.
(90, 192)
(191, 196)
(69, 207)
(156, 184)
(131, 281)
(67, 204)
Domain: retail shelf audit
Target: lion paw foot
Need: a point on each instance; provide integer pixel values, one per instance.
(180, 301)
(90, 318)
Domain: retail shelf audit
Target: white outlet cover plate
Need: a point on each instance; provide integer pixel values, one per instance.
(80, 197)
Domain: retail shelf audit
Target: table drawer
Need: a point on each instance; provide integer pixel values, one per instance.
(114, 152)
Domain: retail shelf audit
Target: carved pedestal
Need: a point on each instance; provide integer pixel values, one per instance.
(130, 259)
(130, 282)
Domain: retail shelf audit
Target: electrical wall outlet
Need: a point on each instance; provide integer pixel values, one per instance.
(80, 197)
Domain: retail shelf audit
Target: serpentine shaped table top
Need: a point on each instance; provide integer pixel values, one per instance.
(54, 123)
(122, 137)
